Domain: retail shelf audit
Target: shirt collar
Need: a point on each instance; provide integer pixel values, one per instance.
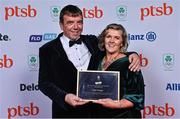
(65, 40)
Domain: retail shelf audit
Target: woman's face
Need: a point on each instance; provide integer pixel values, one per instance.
(113, 41)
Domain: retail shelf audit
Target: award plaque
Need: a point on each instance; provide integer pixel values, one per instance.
(94, 85)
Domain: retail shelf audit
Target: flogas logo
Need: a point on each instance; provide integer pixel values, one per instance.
(39, 38)
(35, 38)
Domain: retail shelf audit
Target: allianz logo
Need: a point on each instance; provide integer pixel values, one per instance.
(39, 38)
(149, 36)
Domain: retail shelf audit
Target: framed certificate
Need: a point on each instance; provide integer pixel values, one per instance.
(94, 85)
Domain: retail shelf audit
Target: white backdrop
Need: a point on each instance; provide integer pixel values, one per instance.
(153, 28)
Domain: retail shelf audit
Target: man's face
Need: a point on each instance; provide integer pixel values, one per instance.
(72, 26)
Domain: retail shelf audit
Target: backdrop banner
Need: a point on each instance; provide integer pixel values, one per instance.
(153, 31)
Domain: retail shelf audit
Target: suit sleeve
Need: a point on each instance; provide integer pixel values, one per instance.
(45, 83)
(135, 89)
(129, 53)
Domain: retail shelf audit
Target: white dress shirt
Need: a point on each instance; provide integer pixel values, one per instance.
(78, 54)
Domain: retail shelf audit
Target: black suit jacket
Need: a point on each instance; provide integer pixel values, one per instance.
(57, 76)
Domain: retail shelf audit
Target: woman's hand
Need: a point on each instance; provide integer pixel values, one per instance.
(109, 103)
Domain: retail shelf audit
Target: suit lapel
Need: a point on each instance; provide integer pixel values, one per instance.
(63, 56)
(88, 44)
(61, 52)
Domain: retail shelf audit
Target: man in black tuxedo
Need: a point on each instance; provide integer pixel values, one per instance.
(61, 58)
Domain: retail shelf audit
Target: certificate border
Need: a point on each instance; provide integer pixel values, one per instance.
(117, 72)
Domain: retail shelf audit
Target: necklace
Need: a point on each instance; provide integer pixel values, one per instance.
(106, 63)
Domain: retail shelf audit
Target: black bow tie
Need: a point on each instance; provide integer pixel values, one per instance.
(71, 43)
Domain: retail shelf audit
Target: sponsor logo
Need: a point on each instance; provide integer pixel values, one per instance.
(93, 13)
(49, 36)
(168, 61)
(154, 11)
(35, 38)
(121, 12)
(149, 36)
(4, 37)
(55, 11)
(39, 38)
(143, 61)
(162, 111)
(32, 87)
(173, 87)
(20, 12)
(6, 62)
(33, 62)
(23, 111)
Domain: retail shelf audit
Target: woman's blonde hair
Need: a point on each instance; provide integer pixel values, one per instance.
(113, 26)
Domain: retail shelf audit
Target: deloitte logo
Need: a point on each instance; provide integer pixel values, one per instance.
(4, 37)
(121, 12)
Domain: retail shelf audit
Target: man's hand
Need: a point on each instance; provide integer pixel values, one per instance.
(135, 62)
(74, 101)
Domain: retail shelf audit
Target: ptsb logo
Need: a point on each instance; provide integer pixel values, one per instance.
(20, 12)
(23, 111)
(6, 62)
(149, 36)
(92, 13)
(162, 111)
(156, 11)
(39, 38)
(143, 60)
